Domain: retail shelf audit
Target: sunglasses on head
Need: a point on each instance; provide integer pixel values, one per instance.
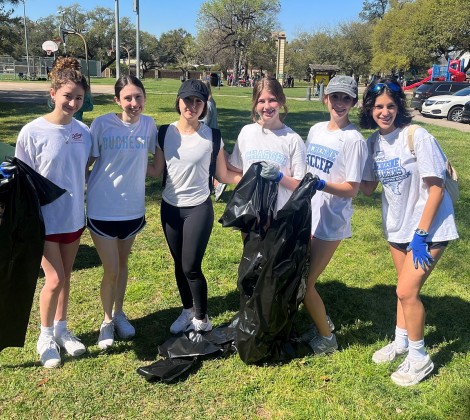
(391, 86)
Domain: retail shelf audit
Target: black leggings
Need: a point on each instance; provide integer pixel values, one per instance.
(187, 231)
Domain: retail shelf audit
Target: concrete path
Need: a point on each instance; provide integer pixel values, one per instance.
(37, 92)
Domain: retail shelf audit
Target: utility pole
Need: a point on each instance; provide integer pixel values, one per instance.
(137, 40)
(118, 43)
(26, 35)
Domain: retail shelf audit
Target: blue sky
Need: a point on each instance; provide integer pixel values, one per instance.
(157, 16)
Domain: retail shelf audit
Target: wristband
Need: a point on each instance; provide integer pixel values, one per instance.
(421, 232)
(280, 176)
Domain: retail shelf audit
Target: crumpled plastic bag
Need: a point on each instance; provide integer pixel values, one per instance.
(272, 271)
(22, 193)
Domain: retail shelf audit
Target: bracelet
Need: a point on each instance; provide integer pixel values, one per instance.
(279, 177)
(421, 232)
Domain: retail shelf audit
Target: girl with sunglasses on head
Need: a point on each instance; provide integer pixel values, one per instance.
(336, 153)
(417, 217)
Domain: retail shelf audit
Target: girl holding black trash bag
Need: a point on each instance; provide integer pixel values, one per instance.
(57, 146)
(336, 153)
(417, 216)
(270, 141)
(187, 214)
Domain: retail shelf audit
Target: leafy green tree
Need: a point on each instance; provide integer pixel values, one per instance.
(175, 48)
(373, 10)
(10, 29)
(236, 26)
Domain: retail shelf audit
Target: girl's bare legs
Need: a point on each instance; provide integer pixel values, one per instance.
(321, 253)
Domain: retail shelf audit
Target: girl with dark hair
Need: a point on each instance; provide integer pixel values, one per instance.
(116, 197)
(187, 214)
(269, 140)
(417, 216)
(57, 146)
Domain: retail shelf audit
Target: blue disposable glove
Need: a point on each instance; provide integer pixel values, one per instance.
(6, 169)
(320, 184)
(271, 172)
(420, 250)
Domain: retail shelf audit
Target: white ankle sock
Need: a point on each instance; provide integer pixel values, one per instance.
(417, 351)
(60, 327)
(47, 331)
(401, 338)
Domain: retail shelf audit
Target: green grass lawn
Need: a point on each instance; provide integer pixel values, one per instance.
(358, 288)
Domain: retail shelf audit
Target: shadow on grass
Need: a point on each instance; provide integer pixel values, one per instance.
(368, 315)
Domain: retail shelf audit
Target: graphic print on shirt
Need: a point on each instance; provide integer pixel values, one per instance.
(125, 142)
(390, 172)
(321, 157)
(270, 156)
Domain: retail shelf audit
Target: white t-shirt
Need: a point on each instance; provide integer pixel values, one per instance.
(283, 147)
(116, 188)
(60, 154)
(335, 156)
(404, 193)
(187, 159)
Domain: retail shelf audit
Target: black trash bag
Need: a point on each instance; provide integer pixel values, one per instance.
(167, 370)
(22, 232)
(252, 203)
(183, 352)
(272, 279)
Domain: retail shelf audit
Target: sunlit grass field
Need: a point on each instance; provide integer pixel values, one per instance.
(358, 289)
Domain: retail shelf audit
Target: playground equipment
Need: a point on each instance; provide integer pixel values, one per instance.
(453, 72)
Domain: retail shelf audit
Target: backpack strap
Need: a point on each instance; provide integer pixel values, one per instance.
(216, 139)
(410, 138)
(161, 142)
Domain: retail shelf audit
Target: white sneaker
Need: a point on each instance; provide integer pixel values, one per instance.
(72, 345)
(48, 351)
(411, 372)
(388, 353)
(200, 325)
(106, 338)
(182, 322)
(122, 326)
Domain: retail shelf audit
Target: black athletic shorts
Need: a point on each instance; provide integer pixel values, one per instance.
(431, 245)
(120, 229)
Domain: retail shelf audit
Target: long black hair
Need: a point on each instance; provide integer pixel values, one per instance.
(375, 89)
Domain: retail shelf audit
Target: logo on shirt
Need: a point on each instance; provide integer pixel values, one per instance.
(77, 138)
(266, 155)
(390, 172)
(321, 157)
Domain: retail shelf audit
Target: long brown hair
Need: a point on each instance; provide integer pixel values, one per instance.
(273, 86)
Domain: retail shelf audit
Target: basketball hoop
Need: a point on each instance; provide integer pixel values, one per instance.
(50, 47)
(109, 51)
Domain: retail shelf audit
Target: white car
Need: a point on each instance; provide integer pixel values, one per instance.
(447, 106)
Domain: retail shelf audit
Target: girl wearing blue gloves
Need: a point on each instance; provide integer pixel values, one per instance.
(417, 216)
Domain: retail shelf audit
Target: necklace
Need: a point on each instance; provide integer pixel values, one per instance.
(68, 133)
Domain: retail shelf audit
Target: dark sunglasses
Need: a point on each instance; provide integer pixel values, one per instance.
(391, 86)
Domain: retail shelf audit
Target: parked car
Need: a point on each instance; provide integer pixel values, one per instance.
(466, 113)
(447, 106)
(428, 89)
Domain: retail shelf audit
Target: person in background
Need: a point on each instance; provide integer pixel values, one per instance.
(211, 120)
(116, 197)
(417, 217)
(57, 146)
(187, 214)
